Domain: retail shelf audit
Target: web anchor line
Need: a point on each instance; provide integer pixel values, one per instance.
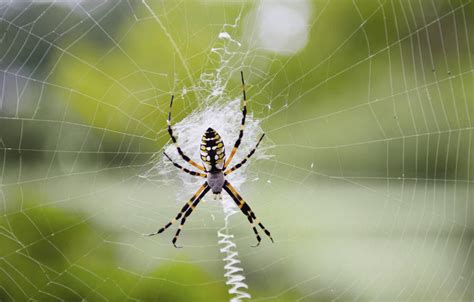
(233, 272)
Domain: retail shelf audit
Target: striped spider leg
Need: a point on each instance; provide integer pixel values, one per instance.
(237, 166)
(245, 208)
(185, 212)
(242, 125)
(170, 131)
(193, 173)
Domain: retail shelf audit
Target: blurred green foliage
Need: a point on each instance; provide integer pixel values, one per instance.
(47, 252)
(117, 77)
(126, 86)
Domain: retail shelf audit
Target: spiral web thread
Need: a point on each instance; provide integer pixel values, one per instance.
(233, 272)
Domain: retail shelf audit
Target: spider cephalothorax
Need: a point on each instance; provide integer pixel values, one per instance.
(215, 165)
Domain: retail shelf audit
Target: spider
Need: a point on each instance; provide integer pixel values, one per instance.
(215, 169)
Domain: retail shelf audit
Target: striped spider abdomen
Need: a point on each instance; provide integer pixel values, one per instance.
(212, 151)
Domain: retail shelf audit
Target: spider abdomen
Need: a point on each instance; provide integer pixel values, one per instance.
(212, 151)
(216, 182)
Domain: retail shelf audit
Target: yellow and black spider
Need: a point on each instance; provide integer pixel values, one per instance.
(215, 170)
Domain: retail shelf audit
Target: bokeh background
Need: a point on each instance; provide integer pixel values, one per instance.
(367, 178)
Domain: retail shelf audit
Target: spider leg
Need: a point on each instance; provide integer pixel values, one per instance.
(203, 188)
(241, 133)
(184, 169)
(237, 166)
(245, 208)
(188, 212)
(173, 138)
(254, 228)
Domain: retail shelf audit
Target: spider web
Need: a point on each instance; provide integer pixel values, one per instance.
(365, 176)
